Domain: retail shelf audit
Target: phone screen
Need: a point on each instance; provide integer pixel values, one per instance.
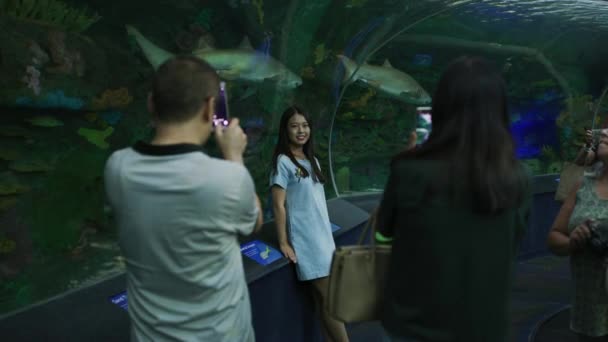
(220, 117)
(423, 124)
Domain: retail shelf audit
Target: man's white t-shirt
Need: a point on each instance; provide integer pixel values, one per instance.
(179, 213)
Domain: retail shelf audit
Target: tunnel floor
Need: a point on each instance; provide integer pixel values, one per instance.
(540, 301)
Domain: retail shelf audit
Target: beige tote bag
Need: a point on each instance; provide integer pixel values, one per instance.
(357, 278)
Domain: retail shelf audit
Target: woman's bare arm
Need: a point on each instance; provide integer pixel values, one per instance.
(558, 239)
(280, 220)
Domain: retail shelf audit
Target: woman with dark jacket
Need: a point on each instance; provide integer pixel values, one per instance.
(455, 208)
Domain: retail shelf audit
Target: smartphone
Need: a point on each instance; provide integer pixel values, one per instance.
(423, 124)
(595, 137)
(220, 115)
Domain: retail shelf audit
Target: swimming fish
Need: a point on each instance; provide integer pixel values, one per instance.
(387, 80)
(242, 63)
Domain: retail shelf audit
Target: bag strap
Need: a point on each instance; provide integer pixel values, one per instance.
(371, 222)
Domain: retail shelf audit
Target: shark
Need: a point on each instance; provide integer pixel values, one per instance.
(388, 80)
(241, 63)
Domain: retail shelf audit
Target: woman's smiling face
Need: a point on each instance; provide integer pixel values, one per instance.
(298, 130)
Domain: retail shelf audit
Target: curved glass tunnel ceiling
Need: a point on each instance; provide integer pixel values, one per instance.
(554, 42)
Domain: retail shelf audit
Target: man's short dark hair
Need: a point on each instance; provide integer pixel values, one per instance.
(181, 87)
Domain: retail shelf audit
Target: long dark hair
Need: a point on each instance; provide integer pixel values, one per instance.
(471, 132)
(283, 145)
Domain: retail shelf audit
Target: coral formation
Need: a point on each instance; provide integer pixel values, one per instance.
(320, 53)
(112, 99)
(104, 119)
(111, 117)
(308, 73)
(32, 71)
(195, 37)
(39, 56)
(534, 165)
(96, 137)
(52, 12)
(32, 79)
(44, 121)
(55, 99)
(363, 100)
(66, 61)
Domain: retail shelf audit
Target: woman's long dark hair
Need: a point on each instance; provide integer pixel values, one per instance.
(283, 145)
(471, 131)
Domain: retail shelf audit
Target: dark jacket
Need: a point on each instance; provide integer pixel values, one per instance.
(451, 269)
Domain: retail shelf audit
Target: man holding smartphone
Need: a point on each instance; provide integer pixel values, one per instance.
(179, 213)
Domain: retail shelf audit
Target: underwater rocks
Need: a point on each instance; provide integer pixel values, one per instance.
(69, 62)
(44, 68)
(112, 98)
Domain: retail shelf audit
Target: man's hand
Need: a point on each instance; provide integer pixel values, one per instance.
(231, 140)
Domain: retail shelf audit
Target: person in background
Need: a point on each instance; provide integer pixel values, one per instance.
(179, 213)
(300, 212)
(579, 231)
(454, 209)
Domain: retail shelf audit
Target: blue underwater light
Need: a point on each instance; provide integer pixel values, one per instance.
(534, 127)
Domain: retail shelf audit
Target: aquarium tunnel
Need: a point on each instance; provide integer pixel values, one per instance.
(74, 79)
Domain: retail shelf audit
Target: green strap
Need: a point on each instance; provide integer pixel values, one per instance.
(383, 239)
